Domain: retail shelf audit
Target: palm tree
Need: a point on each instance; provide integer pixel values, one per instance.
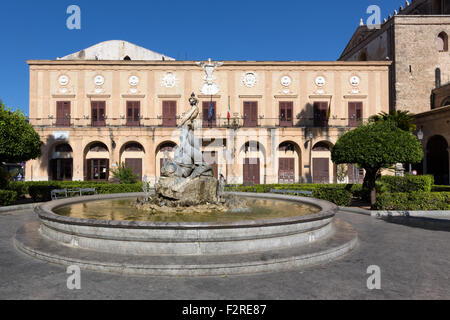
(403, 119)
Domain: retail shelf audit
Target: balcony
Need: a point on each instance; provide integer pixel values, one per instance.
(235, 122)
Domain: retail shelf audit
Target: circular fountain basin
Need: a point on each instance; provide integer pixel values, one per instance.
(188, 238)
(230, 245)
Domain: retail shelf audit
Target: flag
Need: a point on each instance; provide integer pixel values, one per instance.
(211, 110)
(229, 109)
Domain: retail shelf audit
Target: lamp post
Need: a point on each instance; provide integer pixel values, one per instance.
(420, 137)
(311, 137)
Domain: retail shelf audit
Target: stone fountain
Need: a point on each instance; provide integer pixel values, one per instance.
(289, 235)
(187, 180)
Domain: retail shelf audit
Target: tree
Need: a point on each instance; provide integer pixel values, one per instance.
(18, 140)
(124, 174)
(375, 146)
(403, 119)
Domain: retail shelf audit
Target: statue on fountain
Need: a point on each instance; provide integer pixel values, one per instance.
(187, 178)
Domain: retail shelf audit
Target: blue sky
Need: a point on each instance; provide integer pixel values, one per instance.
(196, 29)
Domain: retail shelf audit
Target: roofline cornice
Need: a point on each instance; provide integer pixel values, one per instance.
(193, 63)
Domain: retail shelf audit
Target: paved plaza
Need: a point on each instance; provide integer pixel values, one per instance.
(414, 264)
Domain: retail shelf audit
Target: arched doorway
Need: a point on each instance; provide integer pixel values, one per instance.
(132, 155)
(96, 162)
(61, 162)
(323, 170)
(289, 162)
(163, 151)
(437, 159)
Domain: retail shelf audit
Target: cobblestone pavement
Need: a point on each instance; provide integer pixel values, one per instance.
(414, 264)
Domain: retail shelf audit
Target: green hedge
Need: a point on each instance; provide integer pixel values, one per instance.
(353, 188)
(340, 194)
(408, 183)
(7, 197)
(336, 194)
(414, 201)
(40, 191)
(20, 187)
(440, 189)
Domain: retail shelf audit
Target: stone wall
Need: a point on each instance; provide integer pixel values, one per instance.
(416, 60)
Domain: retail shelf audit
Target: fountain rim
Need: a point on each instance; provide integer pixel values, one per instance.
(45, 212)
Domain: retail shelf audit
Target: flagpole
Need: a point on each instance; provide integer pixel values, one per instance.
(229, 111)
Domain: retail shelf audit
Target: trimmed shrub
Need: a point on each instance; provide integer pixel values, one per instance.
(124, 174)
(408, 183)
(4, 178)
(7, 197)
(414, 201)
(440, 189)
(336, 194)
(355, 190)
(41, 191)
(20, 187)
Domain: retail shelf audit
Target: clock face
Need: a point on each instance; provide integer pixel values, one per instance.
(63, 80)
(99, 80)
(169, 80)
(320, 81)
(355, 81)
(249, 79)
(133, 81)
(286, 81)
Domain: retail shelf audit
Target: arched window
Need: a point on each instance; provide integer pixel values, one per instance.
(437, 77)
(167, 146)
(98, 147)
(446, 102)
(63, 148)
(134, 147)
(127, 58)
(442, 42)
(322, 146)
(286, 146)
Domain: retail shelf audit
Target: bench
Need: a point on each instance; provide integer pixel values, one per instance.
(65, 193)
(55, 194)
(297, 192)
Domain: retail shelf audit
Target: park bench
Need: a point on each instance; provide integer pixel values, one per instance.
(297, 192)
(65, 193)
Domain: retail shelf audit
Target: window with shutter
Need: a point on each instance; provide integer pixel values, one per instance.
(355, 113)
(63, 113)
(133, 113)
(286, 114)
(207, 121)
(320, 114)
(98, 110)
(250, 114)
(169, 114)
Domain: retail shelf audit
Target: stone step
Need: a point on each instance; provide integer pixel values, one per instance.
(343, 240)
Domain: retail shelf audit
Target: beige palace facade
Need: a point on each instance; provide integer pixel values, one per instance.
(269, 122)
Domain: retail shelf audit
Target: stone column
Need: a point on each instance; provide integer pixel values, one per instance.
(78, 159)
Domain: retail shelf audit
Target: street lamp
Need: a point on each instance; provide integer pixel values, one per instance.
(311, 136)
(420, 135)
